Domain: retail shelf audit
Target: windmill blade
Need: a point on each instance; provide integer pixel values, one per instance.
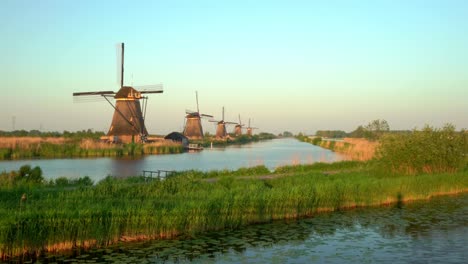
(88, 99)
(146, 89)
(230, 123)
(223, 113)
(204, 115)
(120, 63)
(196, 95)
(152, 92)
(214, 121)
(93, 93)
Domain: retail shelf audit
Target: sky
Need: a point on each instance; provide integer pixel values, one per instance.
(296, 66)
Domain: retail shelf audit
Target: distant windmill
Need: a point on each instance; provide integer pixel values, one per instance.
(238, 128)
(128, 122)
(221, 127)
(193, 128)
(249, 129)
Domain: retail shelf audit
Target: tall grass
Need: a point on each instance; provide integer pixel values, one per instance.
(353, 148)
(430, 150)
(20, 148)
(54, 218)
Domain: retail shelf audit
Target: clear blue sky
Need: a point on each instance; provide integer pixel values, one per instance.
(289, 65)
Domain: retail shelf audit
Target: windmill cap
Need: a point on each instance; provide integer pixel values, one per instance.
(127, 92)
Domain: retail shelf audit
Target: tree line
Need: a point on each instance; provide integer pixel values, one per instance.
(373, 131)
(66, 134)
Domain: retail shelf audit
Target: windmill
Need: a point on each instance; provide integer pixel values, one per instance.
(193, 128)
(238, 128)
(128, 122)
(221, 127)
(249, 129)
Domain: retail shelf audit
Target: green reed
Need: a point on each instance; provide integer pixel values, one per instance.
(55, 217)
(74, 150)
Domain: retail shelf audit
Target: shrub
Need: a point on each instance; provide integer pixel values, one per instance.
(427, 151)
(62, 181)
(316, 140)
(84, 181)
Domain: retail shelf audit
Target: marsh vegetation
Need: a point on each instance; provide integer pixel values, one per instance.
(59, 147)
(56, 216)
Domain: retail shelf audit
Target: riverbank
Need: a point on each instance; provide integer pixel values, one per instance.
(12, 148)
(209, 141)
(354, 148)
(16, 148)
(129, 209)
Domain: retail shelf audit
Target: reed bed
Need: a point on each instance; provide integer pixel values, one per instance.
(353, 148)
(36, 147)
(113, 210)
(28, 142)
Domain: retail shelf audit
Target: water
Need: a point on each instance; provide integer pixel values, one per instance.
(272, 153)
(434, 231)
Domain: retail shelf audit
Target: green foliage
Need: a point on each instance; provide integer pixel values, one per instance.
(429, 150)
(24, 176)
(33, 175)
(78, 135)
(316, 140)
(331, 133)
(242, 139)
(66, 182)
(360, 132)
(189, 204)
(73, 149)
(373, 131)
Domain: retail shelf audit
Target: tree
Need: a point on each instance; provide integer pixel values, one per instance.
(376, 128)
(358, 133)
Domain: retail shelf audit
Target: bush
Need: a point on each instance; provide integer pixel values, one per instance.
(36, 175)
(427, 151)
(316, 141)
(62, 181)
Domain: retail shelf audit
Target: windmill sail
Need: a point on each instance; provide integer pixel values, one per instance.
(193, 127)
(120, 64)
(221, 132)
(250, 129)
(148, 89)
(238, 127)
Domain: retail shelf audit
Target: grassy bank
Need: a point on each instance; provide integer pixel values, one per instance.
(36, 147)
(38, 217)
(354, 148)
(234, 140)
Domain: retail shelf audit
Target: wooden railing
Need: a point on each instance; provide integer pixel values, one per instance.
(157, 174)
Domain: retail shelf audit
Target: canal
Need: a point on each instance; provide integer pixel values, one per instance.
(432, 231)
(271, 153)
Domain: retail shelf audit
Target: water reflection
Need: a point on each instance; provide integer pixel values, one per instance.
(273, 153)
(429, 231)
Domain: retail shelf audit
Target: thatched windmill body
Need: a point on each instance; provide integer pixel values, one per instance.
(250, 129)
(221, 132)
(128, 122)
(193, 127)
(238, 128)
